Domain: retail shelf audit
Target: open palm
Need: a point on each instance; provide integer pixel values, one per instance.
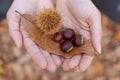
(41, 57)
(83, 17)
(80, 15)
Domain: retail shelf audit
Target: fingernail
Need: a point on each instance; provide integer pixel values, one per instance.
(18, 46)
(72, 65)
(82, 69)
(43, 66)
(99, 49)
(52, 70)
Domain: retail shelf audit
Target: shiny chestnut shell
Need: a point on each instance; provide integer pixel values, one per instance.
(58, 37)
(77, 40)
(66, 46)
(68, 33)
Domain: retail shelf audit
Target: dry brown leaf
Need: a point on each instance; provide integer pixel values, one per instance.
(49, 45)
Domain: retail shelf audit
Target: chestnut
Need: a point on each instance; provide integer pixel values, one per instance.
(66, 46)
(57, 37)
(77, 40)
(68, 33)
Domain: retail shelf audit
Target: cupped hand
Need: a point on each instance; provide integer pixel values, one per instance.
(83, 17)
(17, 32)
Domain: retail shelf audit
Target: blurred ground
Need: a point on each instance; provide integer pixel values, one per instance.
(16, 64)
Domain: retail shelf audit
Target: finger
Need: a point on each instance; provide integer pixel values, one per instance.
(13, 23)
(62, 59)
(65, 65)
(42, 5)
(96, 31)
(74, 61)
(85, 62)
(56, 59)
(50, 63)
(34, 51)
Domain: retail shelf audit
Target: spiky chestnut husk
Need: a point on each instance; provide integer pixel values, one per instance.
(49, 21)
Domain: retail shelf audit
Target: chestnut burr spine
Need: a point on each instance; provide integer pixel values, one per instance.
(49, 21)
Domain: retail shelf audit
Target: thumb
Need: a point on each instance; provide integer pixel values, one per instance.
(13, 24)
(96, 31)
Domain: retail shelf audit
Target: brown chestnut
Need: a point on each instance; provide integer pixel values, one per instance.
(66, 46)
(57, 37)
(77, 40)
(68, 33)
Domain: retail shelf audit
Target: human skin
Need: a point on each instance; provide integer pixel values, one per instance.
(83, 17)
(88, 18)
